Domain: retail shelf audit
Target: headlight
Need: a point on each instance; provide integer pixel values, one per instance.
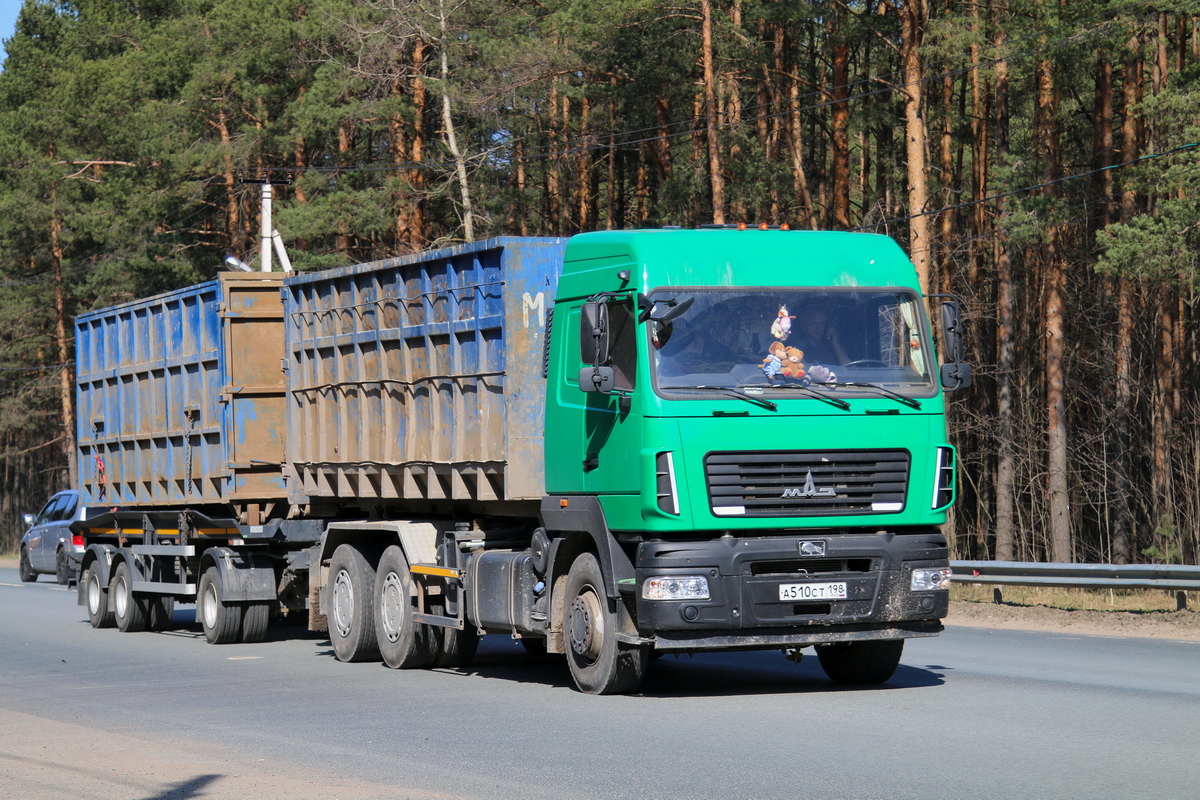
(924, 580)
(675, 587)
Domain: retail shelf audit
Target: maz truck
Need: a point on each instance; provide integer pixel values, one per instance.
(622, 445)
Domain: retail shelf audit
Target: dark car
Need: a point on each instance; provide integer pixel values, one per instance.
(49, 546)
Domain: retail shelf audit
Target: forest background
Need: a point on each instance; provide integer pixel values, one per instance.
(1038, 160)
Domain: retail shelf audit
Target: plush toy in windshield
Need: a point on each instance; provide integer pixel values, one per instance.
(793, 367)
(781, 327)
(773, 363)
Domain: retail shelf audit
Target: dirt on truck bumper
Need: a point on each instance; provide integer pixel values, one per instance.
(789, 590)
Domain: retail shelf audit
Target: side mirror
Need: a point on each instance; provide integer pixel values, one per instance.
(597, 379)
(28, 519)
(593, 334)
(956, 375)
(952, 336)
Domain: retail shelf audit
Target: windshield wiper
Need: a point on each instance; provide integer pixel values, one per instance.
(908, 401)
(726, 390)
(796, 387)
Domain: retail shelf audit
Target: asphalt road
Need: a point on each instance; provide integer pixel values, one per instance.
(973, 713)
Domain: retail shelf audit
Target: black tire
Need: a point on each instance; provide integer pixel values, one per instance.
(62, 568)
(129, 607)
(535, 647)
(351, 605)
(160, 613)
(24, 569)
(255, 618)
(100, 613)
(403, 643)
(457, 647)
(221, 621)
(860, 663)
(599, 663)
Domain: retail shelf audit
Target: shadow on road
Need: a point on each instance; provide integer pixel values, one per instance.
(702, 675)
(194, 787)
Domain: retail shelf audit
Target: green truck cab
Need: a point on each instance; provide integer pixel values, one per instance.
(750, 426)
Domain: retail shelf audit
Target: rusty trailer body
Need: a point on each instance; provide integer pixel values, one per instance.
(418, 379)
(180, 397)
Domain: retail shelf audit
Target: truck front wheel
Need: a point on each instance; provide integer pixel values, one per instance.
(351, 608)
(599, 663)
(403, 642)
(860, 663)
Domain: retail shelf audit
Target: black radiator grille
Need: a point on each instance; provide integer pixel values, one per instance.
(807, 483)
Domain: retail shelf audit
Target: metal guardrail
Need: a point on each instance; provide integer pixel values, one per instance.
(1169, 577)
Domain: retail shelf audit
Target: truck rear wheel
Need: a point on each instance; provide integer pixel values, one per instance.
(351, 610)
(129, 609)
(99, 612)
(403, 642)
(599, 663)
(222, 622)
(255, 617)
(860, 663)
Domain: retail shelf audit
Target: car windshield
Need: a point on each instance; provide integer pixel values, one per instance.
(861, 341)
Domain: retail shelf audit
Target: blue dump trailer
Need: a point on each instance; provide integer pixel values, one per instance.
(601, 448)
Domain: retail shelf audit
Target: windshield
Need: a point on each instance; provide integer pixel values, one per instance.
(838, 342)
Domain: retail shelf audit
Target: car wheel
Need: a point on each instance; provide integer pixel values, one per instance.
(62, 568)
(25, 569)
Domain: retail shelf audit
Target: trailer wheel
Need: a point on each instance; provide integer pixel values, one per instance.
(129, 608)
(351, 610)
(599, 663)
(160, 613)
(25, 570)
(255, 617)
(222, 622)
(860, 663)
(403, 642)
(99, 612)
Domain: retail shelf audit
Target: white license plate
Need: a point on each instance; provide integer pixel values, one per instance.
(812, 591)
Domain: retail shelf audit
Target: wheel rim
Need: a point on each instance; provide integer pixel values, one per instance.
(121, 601)
(208, 606)
(586, 625)
(392, 607)
(93, 592)
(343, 603)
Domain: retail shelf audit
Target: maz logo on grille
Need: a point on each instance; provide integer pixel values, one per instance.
(810, 489)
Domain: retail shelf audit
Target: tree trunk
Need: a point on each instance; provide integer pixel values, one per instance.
(840, 113)
(912, 28)
(66, 394)
(1057, 472)
(716, 179)
(1006, 529)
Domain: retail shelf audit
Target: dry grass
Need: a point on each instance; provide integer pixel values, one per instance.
(1074, 599)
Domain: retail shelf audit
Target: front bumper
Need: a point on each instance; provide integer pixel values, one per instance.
(744, 609)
